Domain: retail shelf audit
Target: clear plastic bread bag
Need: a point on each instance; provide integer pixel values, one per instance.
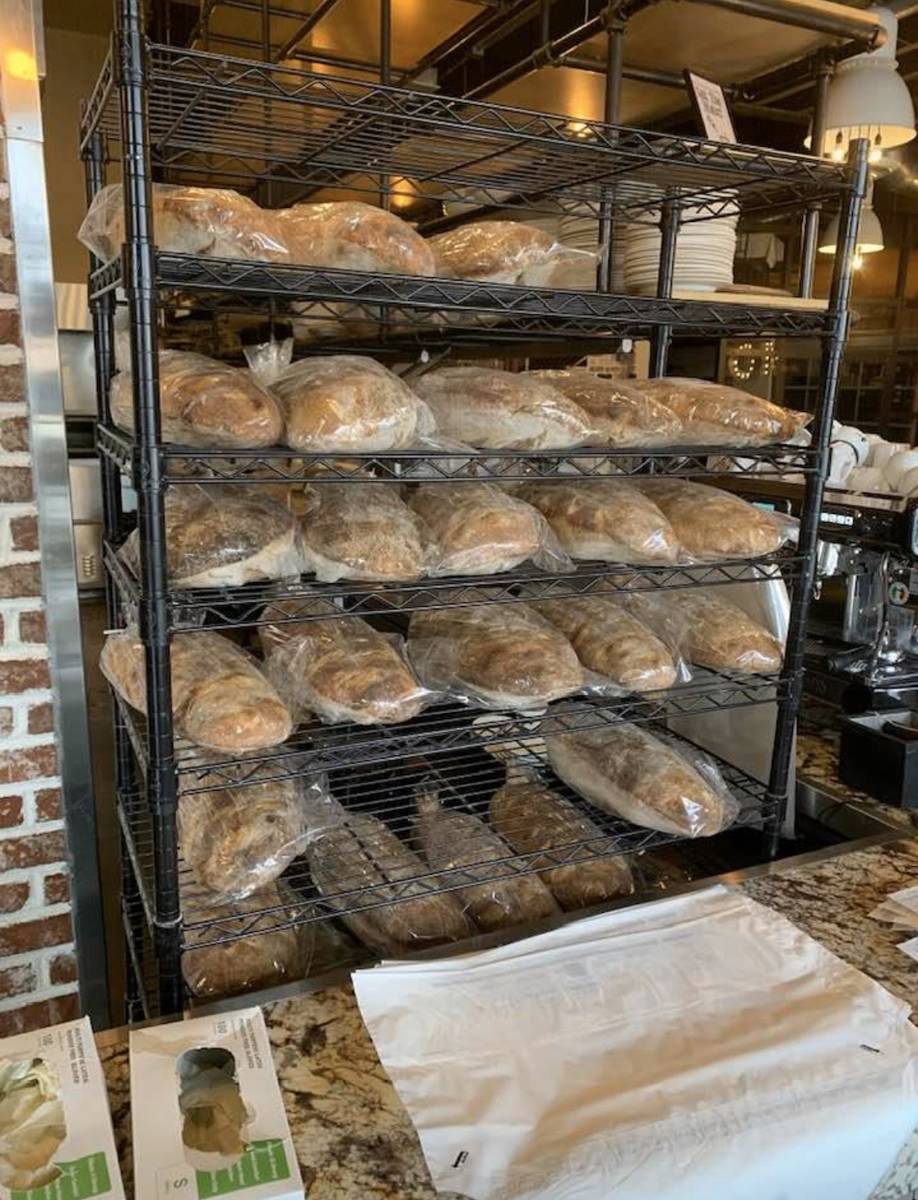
(209, 222)
(220, 535)
(339, 667)
(454, 840)
(350, 235)
(620, 412)
(33, 1125)
(478, 529)
(363, 531)
(204, 403)
(357, 862)
(506, 252)
(497, 655)
(651, 781)
(531, 816)
(716, 414)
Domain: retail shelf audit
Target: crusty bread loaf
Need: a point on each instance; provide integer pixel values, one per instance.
(362, 531)
(710, 523)
(618, 410)
(711, 631)
(451, 839)
(610, 520)
(532, 817)
(340, 668)
(477, 529)
(363, 861)
(502, 409)
(714, 414)
(490, 251)
(204, 403)
(496, 655)
(611, 642)
(628, 772)
(353, 236)
(220, 699)
(345, 403)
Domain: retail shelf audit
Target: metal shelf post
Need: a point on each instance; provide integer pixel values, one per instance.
(669, 232)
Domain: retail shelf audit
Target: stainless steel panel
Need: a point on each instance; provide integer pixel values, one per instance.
(77, 372)
(87, 536)
(86, 489)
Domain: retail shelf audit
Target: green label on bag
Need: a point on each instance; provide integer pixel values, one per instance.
(78, 1180)
(263, 1162)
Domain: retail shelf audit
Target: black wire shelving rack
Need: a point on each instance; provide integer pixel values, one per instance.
(279, 134)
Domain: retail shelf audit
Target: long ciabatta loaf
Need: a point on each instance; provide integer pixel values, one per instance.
(354, 236)
(710, 523)
(715, 414)
(620, 412)
(491, 251)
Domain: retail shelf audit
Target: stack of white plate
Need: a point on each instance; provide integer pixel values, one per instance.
(704, 256)
(582, 233)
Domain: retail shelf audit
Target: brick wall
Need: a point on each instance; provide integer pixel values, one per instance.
(37, 962)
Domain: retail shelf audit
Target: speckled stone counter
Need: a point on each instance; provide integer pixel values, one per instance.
(354, 1139)
(817, 761)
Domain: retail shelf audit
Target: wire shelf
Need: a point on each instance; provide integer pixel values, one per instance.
(464, 780)
(240, 122)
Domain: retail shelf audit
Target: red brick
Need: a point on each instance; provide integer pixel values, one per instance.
(9, 325)
(14, 981)
(57, 888)
(13, 896)
(12, 380)
(40, 1014)
(63, 968)
(24, 531)
(32, 851)
(48, 804)
(33, 627)
(41, 718)
(6, 228)
(7, 273)
(6, 716)
(20, 579)
(10, 811)
(15, 484)
(14, 431)
(35, 935)
(23, 674)
(36, 762)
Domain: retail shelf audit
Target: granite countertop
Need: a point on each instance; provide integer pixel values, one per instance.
(817, 760)
(355, 1141)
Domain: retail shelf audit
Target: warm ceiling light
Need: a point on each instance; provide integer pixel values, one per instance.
(869, 233)
(869, 99)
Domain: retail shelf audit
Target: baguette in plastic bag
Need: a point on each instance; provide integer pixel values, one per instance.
(628, 772)
(715, 414)
(339, 667)
(531, 817)
(493, 656)
(363, 531)
(614, 644)
(619, 411)
(502, 410)
(712, 631)
(497, 252)
(220, 699)
(478, 529)
(204, 403)
(206, 222)
(453, 840)
(606, 519)
(357, 856)
(711, 524)
(224, 536)
(353, 236)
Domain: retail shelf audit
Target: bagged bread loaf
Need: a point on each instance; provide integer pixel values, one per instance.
(452, 840)
(219, 536)
(478, 529)
(339, 668)
(348, 404)
(491, 251)
(354, 236)
(532, 817)
(606, 519)
(618, 410)
(266, 957)
(502, 410)
(612, 643)
(710, 630)
(203, 402)
(220, 699)
(714, 414)
(357, 857)
(209, 222)
(628, 772)
(236, 840)
(711, 524)
(363, 531)
(493, 655)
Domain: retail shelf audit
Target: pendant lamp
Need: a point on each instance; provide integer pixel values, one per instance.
(869, 232)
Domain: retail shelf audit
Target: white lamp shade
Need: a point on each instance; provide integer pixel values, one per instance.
(869, 234)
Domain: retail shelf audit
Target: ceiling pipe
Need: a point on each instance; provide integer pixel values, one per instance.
(306, 27)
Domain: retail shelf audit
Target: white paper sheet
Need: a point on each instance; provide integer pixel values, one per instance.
(695, 1047)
